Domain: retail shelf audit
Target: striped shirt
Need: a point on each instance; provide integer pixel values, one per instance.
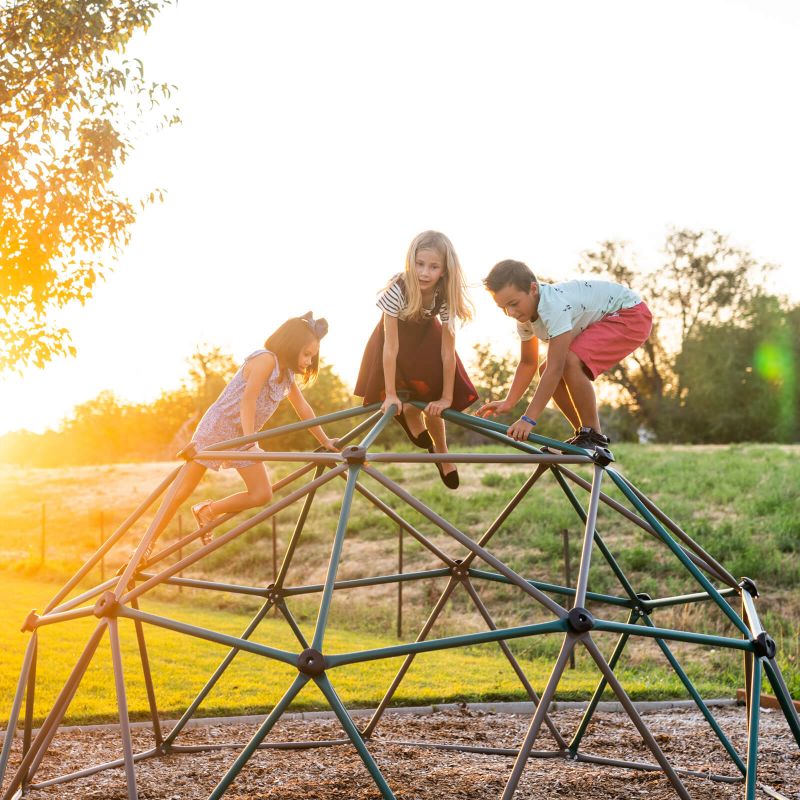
(392, 300)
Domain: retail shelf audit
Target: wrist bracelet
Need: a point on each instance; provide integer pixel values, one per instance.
(526, 418)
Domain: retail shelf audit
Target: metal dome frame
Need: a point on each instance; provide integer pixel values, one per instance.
(118, 599)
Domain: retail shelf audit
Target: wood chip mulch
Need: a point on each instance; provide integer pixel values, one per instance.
(419, 773)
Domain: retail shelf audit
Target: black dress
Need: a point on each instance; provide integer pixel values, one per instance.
(419, 363)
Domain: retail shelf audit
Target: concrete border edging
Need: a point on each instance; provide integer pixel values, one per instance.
(518, 707)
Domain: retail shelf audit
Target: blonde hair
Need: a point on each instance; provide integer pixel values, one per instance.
(453, 284)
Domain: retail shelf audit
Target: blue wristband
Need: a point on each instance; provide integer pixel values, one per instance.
(526, 418)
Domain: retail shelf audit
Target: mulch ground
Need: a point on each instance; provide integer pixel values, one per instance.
(419, 773)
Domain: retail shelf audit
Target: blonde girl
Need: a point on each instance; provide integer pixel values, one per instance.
(413, 347)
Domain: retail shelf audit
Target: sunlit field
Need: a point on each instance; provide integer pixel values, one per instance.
(741, 503)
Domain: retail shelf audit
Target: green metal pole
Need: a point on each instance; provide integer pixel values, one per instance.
(678, 636)
(784, 696)
(292, 427)
(336, 556)
(678, 551)
(212, 681)
(17, 704)
(466, 639)
(210, 636)
(299, 682)
(295, 537)
(350, 729)
(704, 710)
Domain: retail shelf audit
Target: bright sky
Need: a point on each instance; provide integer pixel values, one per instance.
(319, 138)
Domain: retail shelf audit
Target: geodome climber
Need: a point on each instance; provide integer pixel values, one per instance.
(574, 614)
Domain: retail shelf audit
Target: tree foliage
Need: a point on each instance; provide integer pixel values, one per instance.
(69, 106)
(740, 377)
(703, 281)
(107, 429)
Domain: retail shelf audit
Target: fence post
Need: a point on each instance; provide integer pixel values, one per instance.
(180, 549)
(568, 582)
(41, 548)
(274, 549)
(102, 558)
(400, 583)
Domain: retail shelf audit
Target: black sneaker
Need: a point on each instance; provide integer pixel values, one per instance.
(589, 439)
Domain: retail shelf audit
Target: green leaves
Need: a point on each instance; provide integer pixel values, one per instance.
(693, 379)
(65, 127)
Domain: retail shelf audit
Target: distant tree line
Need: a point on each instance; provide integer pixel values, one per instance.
(721, 366)
(107, 429)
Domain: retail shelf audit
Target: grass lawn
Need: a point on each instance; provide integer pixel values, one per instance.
(181, 665)
(741, 503)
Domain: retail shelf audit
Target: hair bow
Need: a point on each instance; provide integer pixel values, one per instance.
(319, 327)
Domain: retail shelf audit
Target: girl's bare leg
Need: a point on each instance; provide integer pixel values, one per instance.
(414, 419)
(187, 483)
(437, 431)
(259, 492)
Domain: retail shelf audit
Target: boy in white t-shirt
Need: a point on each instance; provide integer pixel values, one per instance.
(589, 325)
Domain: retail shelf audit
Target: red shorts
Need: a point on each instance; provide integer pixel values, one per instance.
(607, 341)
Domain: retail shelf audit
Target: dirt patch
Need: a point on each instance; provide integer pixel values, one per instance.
(420, 773)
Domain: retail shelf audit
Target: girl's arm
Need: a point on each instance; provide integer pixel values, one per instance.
(256, 372)
(436, 407)
(304, 411)
(391, 346)
(525, 372)
(557, 350)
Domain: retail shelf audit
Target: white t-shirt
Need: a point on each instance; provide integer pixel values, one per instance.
(392, 300)
(574, 305)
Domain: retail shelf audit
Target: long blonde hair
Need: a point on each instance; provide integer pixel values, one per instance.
(453, 284)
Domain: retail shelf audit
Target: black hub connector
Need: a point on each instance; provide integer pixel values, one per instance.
(311, 662)
(31, 622)
(458, 571)
(764, 645)
(106, 606)
(188, 452)
(580, 620)
(354, 454)
(273, 594)
(749, 586)
(602, 456)
(644, 599)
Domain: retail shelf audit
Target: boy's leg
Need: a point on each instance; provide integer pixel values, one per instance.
(581, 391)
(597, 349)
(563, 400)
(259, 492)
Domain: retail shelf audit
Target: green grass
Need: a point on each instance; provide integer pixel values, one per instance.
(180, 666)
(741, 503)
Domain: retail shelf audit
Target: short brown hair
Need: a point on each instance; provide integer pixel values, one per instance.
(509, 273)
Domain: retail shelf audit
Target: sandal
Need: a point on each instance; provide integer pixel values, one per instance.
(142, 564)
(200, 512)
